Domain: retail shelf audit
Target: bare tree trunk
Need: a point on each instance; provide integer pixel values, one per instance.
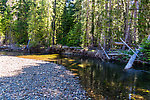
(10, 37)
(54, 28)
(129, 28)
(87, 23)
(127, 22)
(93, 17)
(135, 20)
(110, 24)
(106, 7)
(48, 24)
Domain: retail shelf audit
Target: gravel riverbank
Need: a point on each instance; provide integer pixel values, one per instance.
(32, 79)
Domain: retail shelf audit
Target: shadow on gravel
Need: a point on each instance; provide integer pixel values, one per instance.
(46, 81)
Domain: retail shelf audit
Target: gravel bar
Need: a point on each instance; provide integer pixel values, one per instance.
(29, 79)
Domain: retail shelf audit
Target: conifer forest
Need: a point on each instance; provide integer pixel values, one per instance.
(83, 23)
(108, 31)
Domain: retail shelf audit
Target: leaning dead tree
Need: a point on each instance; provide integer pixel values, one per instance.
(104, 52)
(133, 57)
(129, 47)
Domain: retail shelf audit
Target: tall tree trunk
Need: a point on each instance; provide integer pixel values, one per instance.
(48, 24)
(54, 27)
(135, 20)
(110, 24)
(10, 37)
(105, 31)
(87, 24)
(129, 28)
(127, 24)
(93, 17)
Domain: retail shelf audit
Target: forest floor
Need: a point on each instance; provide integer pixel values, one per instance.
(34, 79)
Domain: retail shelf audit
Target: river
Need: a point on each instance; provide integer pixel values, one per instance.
(102, 80)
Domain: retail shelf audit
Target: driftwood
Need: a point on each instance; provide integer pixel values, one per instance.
(133, 57)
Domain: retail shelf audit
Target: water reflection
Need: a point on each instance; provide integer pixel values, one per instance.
(104, 80)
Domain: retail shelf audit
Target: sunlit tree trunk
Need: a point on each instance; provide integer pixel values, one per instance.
(87, 24)
(127, 24)
(54, 29)
(92, 28)
(135, 20)
(48, 24)
(129, 28)
(105, 31)
(110, 25)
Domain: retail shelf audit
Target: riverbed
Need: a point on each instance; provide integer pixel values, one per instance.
(103, 80)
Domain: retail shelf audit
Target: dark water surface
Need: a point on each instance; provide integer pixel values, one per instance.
(104, 80)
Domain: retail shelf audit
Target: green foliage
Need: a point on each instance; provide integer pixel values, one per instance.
(146, 50)
(21, 25)
(33, 44)
(7, 25)
(74, 22)
(127, 52)
(67, 25)
(1, 33)
(73, 37)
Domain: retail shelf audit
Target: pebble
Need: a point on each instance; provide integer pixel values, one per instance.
(32, 79)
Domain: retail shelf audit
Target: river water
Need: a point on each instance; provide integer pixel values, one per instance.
(103, 80)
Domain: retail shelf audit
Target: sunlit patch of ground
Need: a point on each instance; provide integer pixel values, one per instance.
(12, 66)
(50, 57)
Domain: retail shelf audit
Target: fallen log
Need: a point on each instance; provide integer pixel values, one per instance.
(133, 57)
(130, 62)
(129, 47)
